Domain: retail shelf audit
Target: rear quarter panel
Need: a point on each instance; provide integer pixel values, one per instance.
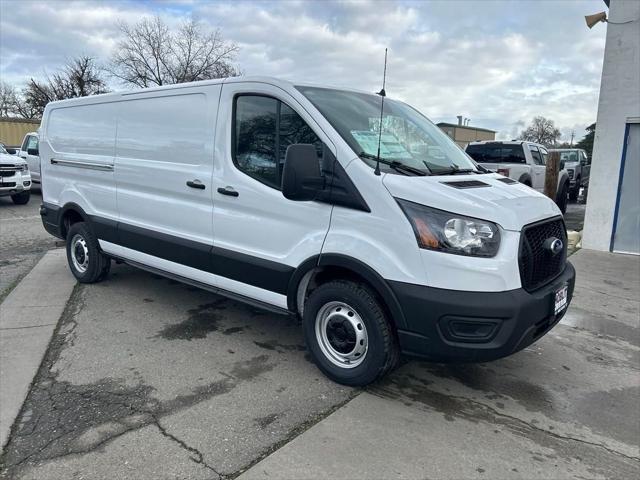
(79, 133)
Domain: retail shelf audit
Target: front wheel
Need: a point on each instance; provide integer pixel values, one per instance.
(348, 333)
(87, 263)
(21, 198)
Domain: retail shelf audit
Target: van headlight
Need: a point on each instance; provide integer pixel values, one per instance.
(450, 232)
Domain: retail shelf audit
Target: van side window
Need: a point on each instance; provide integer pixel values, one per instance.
(264, 128)
(293, 129)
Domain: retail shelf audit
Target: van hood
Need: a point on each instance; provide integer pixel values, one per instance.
(510, 205)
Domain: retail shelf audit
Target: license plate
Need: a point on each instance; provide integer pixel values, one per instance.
(560, 299)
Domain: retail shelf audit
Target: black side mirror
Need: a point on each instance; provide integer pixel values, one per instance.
(562, 162)
(32, 151)
(301, 177)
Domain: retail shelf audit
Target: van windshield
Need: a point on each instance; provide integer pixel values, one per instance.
(408, 137)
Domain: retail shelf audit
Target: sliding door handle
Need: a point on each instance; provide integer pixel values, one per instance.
(228, 191)
(196, 184)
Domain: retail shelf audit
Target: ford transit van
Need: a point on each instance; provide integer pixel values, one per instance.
(377, 231)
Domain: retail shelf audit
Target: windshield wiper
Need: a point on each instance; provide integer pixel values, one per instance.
(454, 170)
(396, 165)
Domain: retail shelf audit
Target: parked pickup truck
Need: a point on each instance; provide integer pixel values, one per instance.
(29, 151)
(578, 166)
(15, 180)
(522, 161)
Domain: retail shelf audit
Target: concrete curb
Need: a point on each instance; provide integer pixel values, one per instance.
(28, 318)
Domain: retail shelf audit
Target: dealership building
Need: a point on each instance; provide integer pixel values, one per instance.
(612, 220)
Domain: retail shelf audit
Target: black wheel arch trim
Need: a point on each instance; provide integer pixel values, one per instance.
(525, 178)
(373, 278)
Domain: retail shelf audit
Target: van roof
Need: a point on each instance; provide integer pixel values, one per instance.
(258, 79)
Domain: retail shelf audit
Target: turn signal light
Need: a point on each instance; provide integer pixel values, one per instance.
(425, 235)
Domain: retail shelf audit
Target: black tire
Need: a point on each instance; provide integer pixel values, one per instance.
(574, 192)
(21, 198)
(382, 352)
(563, 197)
(87, 262)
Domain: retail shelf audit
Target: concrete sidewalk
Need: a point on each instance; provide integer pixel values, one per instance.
(566, 407)
(28, 317)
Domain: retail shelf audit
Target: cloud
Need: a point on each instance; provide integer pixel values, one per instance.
(498, 63)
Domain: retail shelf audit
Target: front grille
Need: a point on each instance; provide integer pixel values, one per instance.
(8, 170)
(538, 266)
(570, 172)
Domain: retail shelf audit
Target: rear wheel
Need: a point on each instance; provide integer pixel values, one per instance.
(348, 333)
(573, 193)
(563, 197)
(21, 198)
(87, 263)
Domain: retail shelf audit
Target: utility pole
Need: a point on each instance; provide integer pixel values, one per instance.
(551, 175)
(573, 134)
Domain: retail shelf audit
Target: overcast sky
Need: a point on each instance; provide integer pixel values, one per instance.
(498, 63)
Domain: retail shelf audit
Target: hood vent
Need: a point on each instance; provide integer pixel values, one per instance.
(467, 184)
(507, 180)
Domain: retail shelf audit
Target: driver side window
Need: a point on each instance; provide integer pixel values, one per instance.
(263, 129)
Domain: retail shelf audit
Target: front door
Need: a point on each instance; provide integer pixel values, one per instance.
(30, 152)
(539, 169)
(260, 237)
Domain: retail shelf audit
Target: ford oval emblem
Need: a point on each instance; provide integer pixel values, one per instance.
(553, 245)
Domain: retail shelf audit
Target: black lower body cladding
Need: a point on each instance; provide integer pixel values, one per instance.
(437, 324)
(460, 326)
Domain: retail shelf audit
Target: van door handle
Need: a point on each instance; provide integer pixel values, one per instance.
(196, 184)
(228, 191)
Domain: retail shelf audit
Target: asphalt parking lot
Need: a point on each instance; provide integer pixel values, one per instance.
(149, 378)
(23, 240)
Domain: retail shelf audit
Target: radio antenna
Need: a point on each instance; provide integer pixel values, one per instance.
(383, 94)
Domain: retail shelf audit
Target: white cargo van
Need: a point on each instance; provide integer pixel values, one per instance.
(269, 192)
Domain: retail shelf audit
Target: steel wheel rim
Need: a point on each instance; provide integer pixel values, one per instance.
(79, 253)
(341, 335)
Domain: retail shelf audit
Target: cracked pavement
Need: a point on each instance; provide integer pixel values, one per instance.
(148, 378)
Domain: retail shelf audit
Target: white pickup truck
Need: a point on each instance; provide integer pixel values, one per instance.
(29, 151)
(522, 161)
(15, 180)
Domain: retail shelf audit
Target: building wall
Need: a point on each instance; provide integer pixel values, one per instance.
(463, 135)
(13, 130)
(619, 103)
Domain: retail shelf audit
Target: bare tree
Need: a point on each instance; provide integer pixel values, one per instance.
(79, 78)
(542, 130)
(8, 100)
(151, 54)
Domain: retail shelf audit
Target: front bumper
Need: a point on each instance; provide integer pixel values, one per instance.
(14, 184)
(458, 326)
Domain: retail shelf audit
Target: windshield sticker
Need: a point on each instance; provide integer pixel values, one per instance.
(390, 147)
